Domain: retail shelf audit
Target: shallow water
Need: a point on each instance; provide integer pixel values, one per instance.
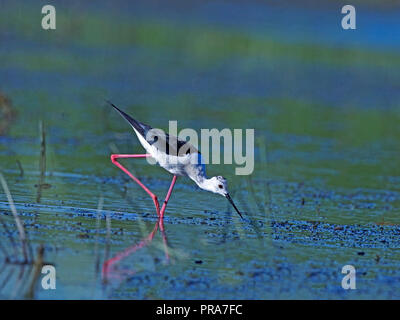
(324, 104)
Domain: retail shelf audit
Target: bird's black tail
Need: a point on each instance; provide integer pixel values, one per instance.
(140, 127)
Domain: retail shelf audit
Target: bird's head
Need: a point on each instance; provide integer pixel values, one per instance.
(219, 185)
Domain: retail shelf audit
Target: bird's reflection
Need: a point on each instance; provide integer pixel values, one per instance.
(110, 270)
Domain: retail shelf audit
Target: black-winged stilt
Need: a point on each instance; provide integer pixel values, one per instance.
(176, 156)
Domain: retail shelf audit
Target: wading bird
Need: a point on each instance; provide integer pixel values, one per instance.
(176, 156)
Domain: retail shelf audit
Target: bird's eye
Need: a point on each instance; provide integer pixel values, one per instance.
(220, 186)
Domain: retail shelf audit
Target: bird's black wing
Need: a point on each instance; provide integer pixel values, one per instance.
(164, 142)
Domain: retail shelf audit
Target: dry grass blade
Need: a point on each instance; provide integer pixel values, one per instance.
(18, 222)
(107, 248)
(96, 248)
(36, 270)
(108, 225)
(21, 169)
(250, 184)
(42, 162)
(269, 214)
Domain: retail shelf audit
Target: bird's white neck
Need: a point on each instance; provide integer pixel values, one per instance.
(203, 182)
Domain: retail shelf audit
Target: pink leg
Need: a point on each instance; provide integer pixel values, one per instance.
(114, 161)
(161, 221)
(164, 237)
(108, 265)
(171, 187)
(152, 195)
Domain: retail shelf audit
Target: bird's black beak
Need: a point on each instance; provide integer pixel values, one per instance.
(231, 201)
